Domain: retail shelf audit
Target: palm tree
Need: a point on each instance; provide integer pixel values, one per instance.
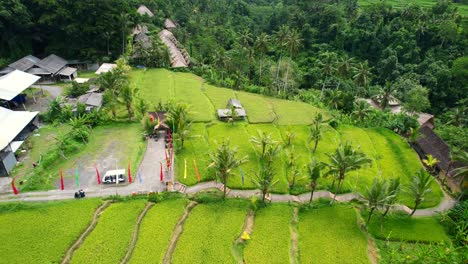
(264, 180)
(289, 135)
(261, 45)
(345, 66)
(361, 110)
(313, 171)
(224, 160)
(376, 196)
(392, 194)
(334, 98)
(281, 37)
(245, 38)
(386, 95)
(183, 131)
(221, 60)
(419, 187)
(177, 115)
(262, 141)
(316, 130)
(345, 159)
(327, 63)
(293, 43)
(126, 96)
(362, 74)
(290, 162)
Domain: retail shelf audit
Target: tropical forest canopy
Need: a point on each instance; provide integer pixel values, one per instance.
(277, 46)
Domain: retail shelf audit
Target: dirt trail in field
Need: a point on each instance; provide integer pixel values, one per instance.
(294, 250)
(372, 250)
(238, 247)
(136, 230)
(88, 230)
(179, 228)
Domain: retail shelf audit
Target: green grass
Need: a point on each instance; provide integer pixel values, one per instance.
(218, 96)
(195, 148)
(87, 74)
(210, 231)
(108, 242)
(331, 235)
(258, 107)
(42, 232)
(405, 228)
(294, 113)
(109, 145)
(270, 239)
(156, 231)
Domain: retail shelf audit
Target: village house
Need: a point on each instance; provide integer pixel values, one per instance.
(233, 104)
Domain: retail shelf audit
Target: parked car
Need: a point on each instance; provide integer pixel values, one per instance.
(114, 175)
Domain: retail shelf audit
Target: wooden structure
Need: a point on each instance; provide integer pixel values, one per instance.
(233, 104)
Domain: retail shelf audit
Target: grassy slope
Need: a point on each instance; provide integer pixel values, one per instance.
(331, 235)
(462, 8)
(42, 232)
(209, 233)
(270, 239)
(156, 231)
(109, 241)
(404, 228)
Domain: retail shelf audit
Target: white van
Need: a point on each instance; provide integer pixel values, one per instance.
(112, 175)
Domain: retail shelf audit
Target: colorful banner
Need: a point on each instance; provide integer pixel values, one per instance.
(15, 191)
(161, 172)
(185, 169)
(98, 175)
(196, 170)
(129, 173)
(62, 185)
(77, 177)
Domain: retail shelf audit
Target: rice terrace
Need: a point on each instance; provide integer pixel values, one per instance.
(262, 131)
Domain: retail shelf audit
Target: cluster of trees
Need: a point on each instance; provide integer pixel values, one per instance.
(281, 45)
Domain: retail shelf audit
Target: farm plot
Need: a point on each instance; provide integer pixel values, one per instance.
(156, 230)
(270, 239)
(155, 85)
(403, 228)
(42, 232)
(259, 108)
(331, 235)
(294, 113)
(108, 242)
(218, 96)
(240, 139)
(196, 149)
(210, 231)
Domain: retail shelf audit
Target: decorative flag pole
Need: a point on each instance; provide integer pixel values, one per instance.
(129, 173)
(185, 169)
(98, 175)
(77, 177)
(196, 170)
(139, 176)
(62, 186)
(161, 172)
(167, 159)
(15, 191)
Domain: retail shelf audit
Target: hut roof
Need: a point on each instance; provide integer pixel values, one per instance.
(177, 57)
(106, 67)
(24, 63)
(226, 113)
(67, 71)
(91, 99)
(234, 102)
(143, 10)
(6, 70)
(169, 24)
(431, 143)
(13, 122)
(52, 63)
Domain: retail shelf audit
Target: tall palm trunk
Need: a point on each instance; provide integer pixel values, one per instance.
(287, 73)
(340, 180)
(370, 215)
(386, 211)
(316, 145)
(416, 204)
(312, 191)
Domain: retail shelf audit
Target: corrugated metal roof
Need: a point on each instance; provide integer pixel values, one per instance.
(223, 113)
(38, 71)
(14, 83)
(92, 99)
(12, 123)
(52, 63)
(24, 63)
(106, 67)
(67, 71)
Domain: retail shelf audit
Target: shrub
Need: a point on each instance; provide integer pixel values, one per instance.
(78, 89)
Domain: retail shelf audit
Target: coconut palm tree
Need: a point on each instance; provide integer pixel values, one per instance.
(293, 43)
(261, 45)
(262, 141)
(313, 171)
(264, 180)
(393, 190)
(183, 131)
(376, 196)
(245, 38)
(327, 64)
(289, 136)
(345, 66)
(280, 40)
(386, 95)
(177, 115)
(126, 96)
(316, 130)
(224, 160)
(361, 110)
(430, 161)
(362, 74)
(420, 186)
(345, 159)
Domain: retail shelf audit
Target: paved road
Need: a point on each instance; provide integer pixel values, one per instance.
(54, 90)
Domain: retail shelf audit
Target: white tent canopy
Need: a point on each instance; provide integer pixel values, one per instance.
(14, 83)
(12, 123)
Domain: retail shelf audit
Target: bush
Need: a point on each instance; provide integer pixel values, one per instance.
(78, 89)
